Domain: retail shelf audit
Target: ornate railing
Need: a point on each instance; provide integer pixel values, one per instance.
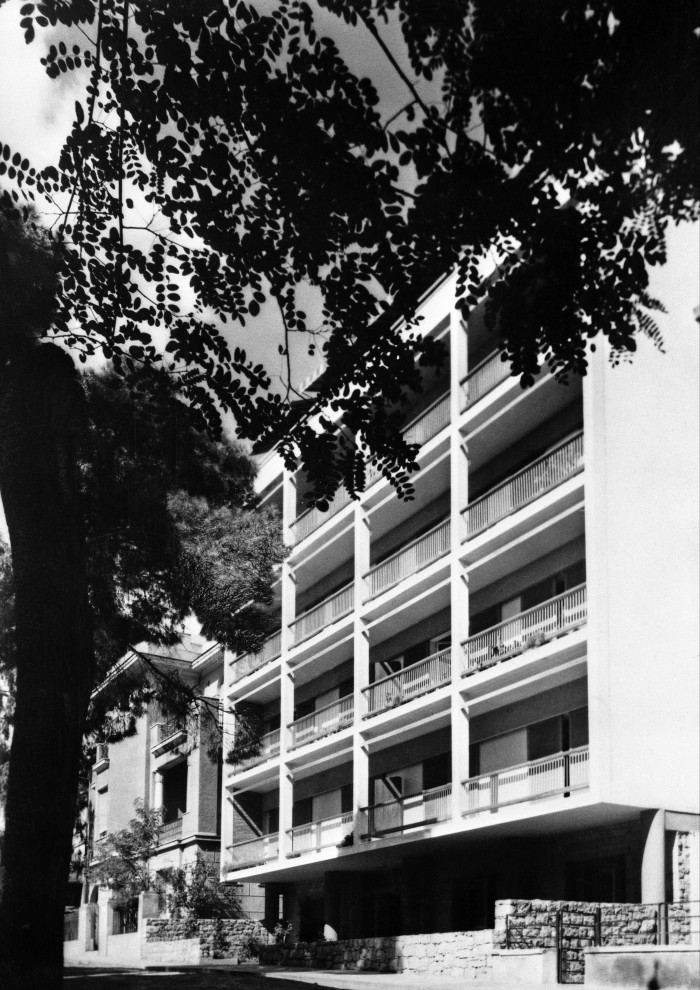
(531, 628)
(253, 852)
(320, 834)
(312, 518)
(162, 731)
(409, 559)
(329, 610)
(251, 662)
(411, 682)
(413, 811)
(101, 752)
(545, 473)
(536, 779)
(421, 429)
(269, 748)
(323, 722)
(483, 378)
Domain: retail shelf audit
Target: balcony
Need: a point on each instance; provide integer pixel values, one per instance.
(483, 379)
(321, 834)
(527, 485)
(323, 722)
(250, 662)
(167, 735)
(170, 831)
(269, 748)
(409, 560)
(534, 627)
(548, 777)
(423, 428)
(101, 757)
(253, 852)
(310, 520)
(414, 811)
(410, 683)
(327, 612)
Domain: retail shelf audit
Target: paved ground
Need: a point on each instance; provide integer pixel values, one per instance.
(222, 978)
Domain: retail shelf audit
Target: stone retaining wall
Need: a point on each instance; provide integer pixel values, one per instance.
(203, 938)
(542, 924)
(455, 954)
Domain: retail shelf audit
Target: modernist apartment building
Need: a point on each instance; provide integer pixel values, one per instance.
(490, 691)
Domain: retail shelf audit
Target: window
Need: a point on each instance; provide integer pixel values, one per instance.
(440, 643)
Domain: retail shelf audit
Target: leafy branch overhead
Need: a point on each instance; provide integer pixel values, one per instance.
(227, 168)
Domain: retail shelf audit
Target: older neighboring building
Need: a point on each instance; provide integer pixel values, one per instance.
(165, 764)
(490, 691)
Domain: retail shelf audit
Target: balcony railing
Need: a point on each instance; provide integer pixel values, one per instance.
(169, 831)
(545, 473)
(414, 811)
(254, 852)
(101, 753)
(323, 722)
(483, 378)
(251, 662)
(423, 428)
(323, 614)
(321, 834)
(269, 748)
(408, 560)
(409, 683)
(547, 777)
(310, 520)
(162, 732)
(531, 628)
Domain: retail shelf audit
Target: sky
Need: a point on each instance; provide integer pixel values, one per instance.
(36, 113)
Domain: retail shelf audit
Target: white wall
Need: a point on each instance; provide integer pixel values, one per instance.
(641, 448)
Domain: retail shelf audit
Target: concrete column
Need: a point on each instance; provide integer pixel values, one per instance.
(653, 839)
(459, 592)
(361, 648)
(286, 808)
(158, 790)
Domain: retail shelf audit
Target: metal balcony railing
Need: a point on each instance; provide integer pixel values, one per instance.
(483, 378)
(323, 722)
(326, 612)
(408, 560)
(162, 731)
(253, 852)
(531, 628)
(310, 520)
(250, 662)
(411, 682)
(421, 429)
(537, 478)
(414, 811)
(101, 752)
(269, 748)
(321, 834)
(536, 779)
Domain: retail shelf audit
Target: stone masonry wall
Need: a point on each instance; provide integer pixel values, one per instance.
(455, 954)
(540, 924)
(206, 938)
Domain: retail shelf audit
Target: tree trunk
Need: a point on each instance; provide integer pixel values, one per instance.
(41, 420)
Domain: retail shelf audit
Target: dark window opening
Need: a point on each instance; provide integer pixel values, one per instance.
(174, 792)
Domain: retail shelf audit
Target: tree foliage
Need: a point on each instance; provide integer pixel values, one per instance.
(123, 857)
(226, 153)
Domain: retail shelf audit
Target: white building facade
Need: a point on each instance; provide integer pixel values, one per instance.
(490, 691)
